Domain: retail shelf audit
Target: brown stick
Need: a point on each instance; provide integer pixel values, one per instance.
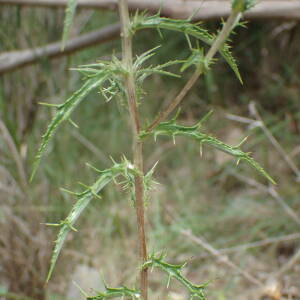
(274, 142)
(272, 192)
(289, 264)
(223, 258)
(10, 61)
(5, 134)
(175, 102)
(137, 143)
(261, 243)
(213, 9)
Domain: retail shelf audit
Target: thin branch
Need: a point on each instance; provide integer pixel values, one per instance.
(15, 186)
(258, 122)
(5, 134)
(265, 242)
(223, 258)
(137, 145)
(272, 192)
(244, 120)
(210, 249)
(218, 42)
(273, 141)
(261, 243)
(174, 103)
(289, 264)
(10, 61)
(214, 9)
(220, 252)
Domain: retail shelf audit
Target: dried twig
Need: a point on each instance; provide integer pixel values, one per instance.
(9, 184)
(272, 192)
(13, 60)
(223, 258)
(213, 9)
(274, 142)
(261, 243)
(289, 264)
(15, 154)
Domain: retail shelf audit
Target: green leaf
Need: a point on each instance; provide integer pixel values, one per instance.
(97, 75)
(149, 182)
(83, 200)
(226, 53)
(63, 113)
(197, 58)
(70, 12)
(142, 73)
(170, 128)
(143, 21)
(140, 59)
(174, 271)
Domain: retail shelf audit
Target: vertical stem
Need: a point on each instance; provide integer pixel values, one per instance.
(137, 143)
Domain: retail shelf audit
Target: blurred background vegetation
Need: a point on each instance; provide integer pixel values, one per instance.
(207, 195)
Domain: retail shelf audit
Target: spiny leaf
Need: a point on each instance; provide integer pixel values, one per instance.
(63, 113)
(170, 128)
(116, 293)
(140, 59)
(83, 200)
(70, 11)
(174, 271)
(114, 71)
(143, 21)
(226, 53)
(186, 27)
(96, 76)
(149, 182)
(142, 73)
(129, 182)
(196, 58)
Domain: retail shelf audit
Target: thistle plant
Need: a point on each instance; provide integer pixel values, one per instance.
(124, 79)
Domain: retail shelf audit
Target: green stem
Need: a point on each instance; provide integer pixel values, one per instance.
(137, 143)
